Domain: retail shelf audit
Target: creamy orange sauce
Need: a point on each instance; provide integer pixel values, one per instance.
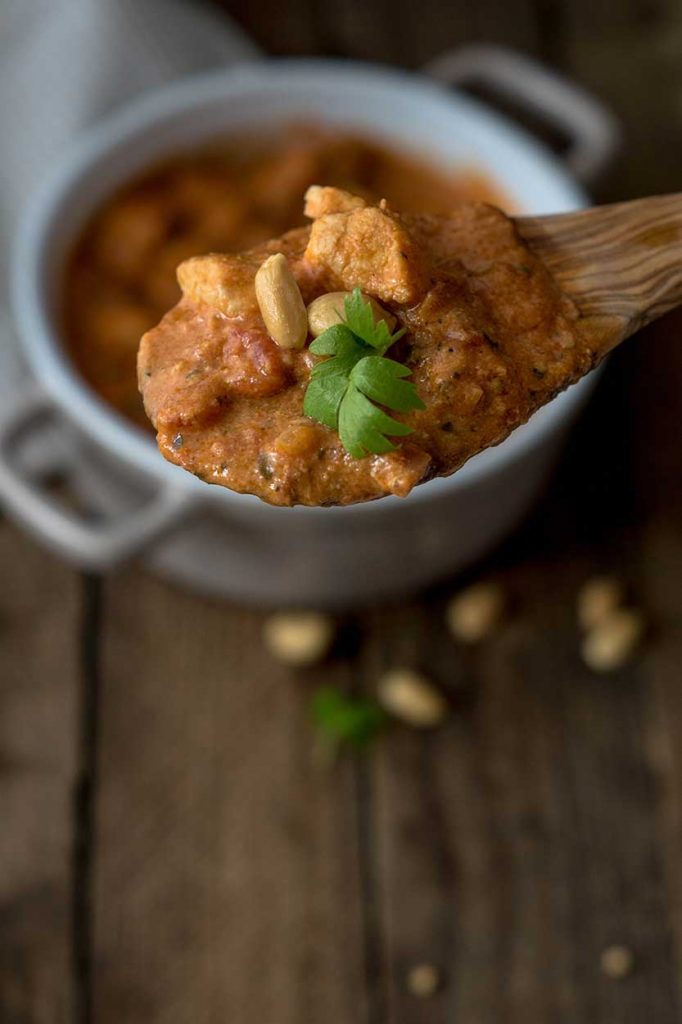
(489, 339)
(122, 275)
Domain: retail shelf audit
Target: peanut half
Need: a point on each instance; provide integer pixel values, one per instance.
(597, 598)
(298, 637)
(280, 302)
(423, 980)
(473, 614)
(327, 310)
(617, 962)
(612, 642)
(412, 698)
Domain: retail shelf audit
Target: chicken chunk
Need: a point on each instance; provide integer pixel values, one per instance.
(321, 200)
(225, 281)
(197, 362)
(370, 248)
(222, 281)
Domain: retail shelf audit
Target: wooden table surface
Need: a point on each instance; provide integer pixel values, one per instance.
(169, 851)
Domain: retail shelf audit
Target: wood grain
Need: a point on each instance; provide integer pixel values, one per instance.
(543, 823)
(39, 613)
(658, 471)
(627, 53)
(621, 263)
(520, 841)
(231, 881)
(280, 29)
(227, 882)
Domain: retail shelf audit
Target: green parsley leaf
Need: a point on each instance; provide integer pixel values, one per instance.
(363, 426)
(343, 388)
(381, 380)
(335, 341)
(329, 380)
(360, 319)
(341, 719)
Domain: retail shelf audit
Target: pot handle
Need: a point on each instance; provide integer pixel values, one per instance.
(91, 545)
(593, 132)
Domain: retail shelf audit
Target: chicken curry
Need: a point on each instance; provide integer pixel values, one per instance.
(121, 277)
(271, 377)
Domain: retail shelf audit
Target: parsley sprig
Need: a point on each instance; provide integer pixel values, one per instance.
(342, 720)
(344, 390)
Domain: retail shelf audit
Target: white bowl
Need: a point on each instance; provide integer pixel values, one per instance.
(209, 537)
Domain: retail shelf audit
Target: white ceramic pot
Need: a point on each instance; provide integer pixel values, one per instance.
(208, 537)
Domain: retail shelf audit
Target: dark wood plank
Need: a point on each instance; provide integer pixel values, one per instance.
(402, 33)
(227, 881)
(543, 824)
(427, 29)
(521, 840)
(39, 613)
(282, 30)
(658, 365)
(628, 54)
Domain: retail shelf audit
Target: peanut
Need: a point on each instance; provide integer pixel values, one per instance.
(617, 962)
(412, 698)
(473, 614)
(280, 302)
(298, 638)
(612, 641)
(423, 980)
(597, 598)
(327, 310)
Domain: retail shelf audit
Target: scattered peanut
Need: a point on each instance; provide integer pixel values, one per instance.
(423, 980)
(597, 598)
(473, 614)
(412, 698)
(613, 639)
(298, 638)
(617, 962)
(280, 302)
(327, 310)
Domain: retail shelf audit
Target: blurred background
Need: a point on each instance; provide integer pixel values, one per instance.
(462, 804)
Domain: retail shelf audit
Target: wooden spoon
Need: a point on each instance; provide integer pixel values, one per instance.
(621, 264)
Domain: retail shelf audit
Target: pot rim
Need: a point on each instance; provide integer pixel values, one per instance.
(39, 328)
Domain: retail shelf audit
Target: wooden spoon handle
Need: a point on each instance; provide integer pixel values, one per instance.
(621, 262)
